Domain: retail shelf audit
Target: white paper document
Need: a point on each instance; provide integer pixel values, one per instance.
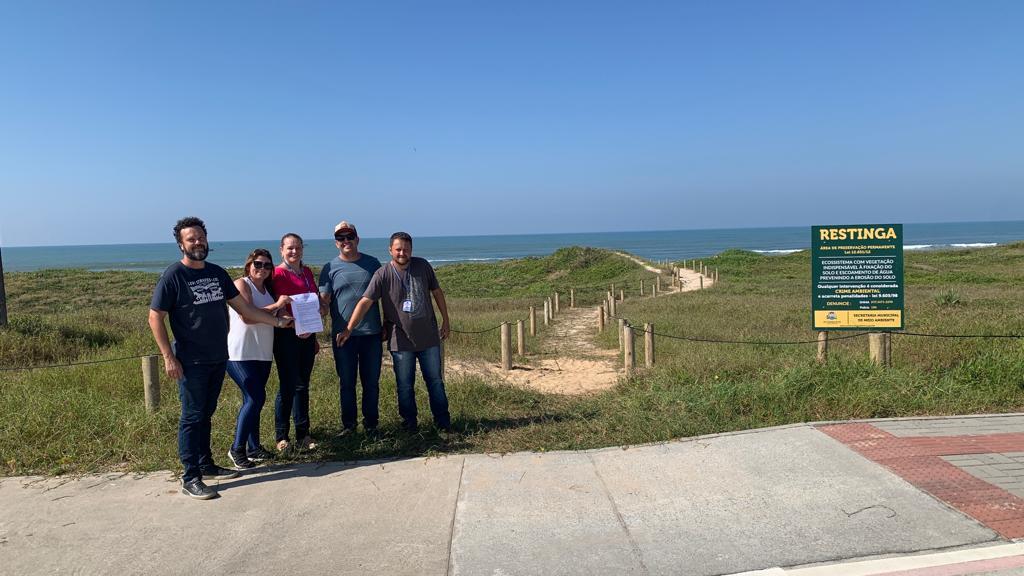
(306, 309)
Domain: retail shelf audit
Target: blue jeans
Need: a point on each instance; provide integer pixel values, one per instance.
(405, 377)
(295, 357)
(251, 377)
(363, 353)
(198, 390)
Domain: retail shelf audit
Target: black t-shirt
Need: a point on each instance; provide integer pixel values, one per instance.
(196, 301)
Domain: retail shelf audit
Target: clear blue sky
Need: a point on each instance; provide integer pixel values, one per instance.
(475, 117)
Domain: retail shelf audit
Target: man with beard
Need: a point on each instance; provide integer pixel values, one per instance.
(192, 292)
(404, 287)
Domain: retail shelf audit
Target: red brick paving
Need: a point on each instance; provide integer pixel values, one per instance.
(918, 461)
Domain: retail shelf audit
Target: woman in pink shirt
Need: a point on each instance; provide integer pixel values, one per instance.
(294, 353)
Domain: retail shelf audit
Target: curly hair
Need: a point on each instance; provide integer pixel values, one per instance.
(187, 222)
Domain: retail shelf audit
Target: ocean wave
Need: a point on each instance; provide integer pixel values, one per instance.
(470, 259)
(790, 251)
(976, 245)
(918, 246)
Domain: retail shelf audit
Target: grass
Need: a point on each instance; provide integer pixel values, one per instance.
(89, 418)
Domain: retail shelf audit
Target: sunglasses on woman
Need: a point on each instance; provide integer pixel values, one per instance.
(260, 265)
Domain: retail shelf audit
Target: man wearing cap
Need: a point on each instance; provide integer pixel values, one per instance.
(342, 282)
(192, 293)
(404, 287)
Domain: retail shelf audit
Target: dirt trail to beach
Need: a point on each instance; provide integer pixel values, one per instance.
(571, 364)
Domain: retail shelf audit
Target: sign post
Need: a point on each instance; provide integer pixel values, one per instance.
(857, 277)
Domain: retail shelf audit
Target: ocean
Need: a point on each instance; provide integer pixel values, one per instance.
(441, 250)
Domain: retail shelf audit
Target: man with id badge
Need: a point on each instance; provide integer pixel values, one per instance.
(404, 286)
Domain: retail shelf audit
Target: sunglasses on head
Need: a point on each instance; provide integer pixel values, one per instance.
(342, 237)
(261, 265)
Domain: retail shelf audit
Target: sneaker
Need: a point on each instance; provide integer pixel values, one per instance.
(259, 454)
(372, 433)
(307, 443)
(283, 445)
(196, 489)
(218, 473)
(447, 434)
(345, 432)
(239, 459)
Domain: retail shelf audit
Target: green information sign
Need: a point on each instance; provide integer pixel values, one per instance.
(857, 277)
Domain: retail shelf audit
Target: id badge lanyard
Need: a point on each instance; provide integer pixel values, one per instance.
(406, 288)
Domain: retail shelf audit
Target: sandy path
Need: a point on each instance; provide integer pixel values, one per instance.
(573, 365)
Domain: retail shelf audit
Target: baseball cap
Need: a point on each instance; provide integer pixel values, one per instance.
(345, 226)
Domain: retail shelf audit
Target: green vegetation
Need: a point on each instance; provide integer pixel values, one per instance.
(91, 417)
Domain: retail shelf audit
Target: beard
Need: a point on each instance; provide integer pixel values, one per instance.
(197, 254)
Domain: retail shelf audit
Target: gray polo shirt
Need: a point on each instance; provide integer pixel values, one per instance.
(415, 325)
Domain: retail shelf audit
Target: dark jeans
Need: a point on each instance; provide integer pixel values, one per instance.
(295, 357)
(251, 377)
(198, 390)
(405, 377)
(363, 353)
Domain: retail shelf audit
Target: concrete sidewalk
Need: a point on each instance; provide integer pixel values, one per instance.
(784, 497)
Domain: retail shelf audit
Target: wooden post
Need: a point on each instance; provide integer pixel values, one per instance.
(506, 346)
(642, 291)
(648, 345)
(879, 346)
(600, 318)
(701, 282)
(547, 311)
(622, 329)
(613, 306)
(521, 337)
(654, 286)
(572, 297)
(151, 382)
(533, 321)
(716, 275)
(3, 295)
(622, 295)
(822, 347)
(558, 307)
(628, 350)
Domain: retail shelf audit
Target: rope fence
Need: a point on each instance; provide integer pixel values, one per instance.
(879, 346)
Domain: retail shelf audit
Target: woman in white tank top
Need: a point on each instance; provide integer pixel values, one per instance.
(250, 354)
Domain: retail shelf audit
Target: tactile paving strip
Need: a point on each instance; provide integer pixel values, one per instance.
(919, 460)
